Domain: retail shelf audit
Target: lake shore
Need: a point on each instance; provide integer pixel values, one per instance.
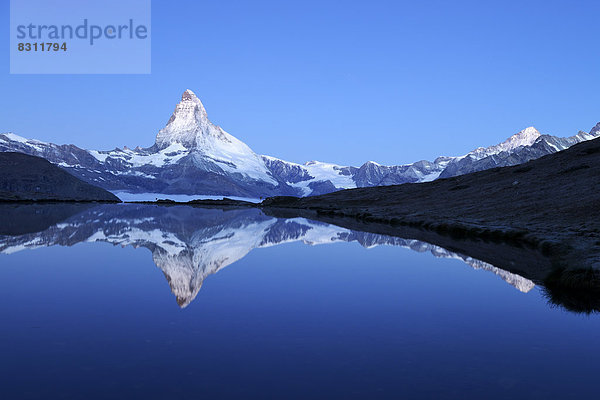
(551, 204)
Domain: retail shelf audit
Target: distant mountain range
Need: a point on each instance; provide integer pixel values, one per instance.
(193, 156)
(188, 244)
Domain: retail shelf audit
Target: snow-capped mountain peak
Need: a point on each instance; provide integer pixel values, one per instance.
(526, 137)
(17, 138)
(190, 127)
(189, 98)
(190, 95)
(188, 123)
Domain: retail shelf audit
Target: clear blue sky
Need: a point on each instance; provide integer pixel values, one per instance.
(338, 81)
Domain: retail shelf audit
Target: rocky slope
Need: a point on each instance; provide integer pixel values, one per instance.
(191, 155)
(24, 177)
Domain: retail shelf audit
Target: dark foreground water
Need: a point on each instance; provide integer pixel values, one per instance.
(131, 301)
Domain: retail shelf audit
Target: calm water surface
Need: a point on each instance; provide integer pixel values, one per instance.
(131, 301)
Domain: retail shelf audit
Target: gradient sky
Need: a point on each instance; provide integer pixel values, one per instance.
(337, 81)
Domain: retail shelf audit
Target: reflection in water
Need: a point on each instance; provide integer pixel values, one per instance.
(188, 244)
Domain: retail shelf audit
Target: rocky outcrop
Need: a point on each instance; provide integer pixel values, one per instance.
(28, 178)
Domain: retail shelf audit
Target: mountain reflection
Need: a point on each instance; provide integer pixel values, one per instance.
(188, 243)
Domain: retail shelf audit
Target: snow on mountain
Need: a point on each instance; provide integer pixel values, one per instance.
(520, 148)
(307, 177)
(526, 137)
(190, 128)
(138, 158)
(193, 156)
(339, 176)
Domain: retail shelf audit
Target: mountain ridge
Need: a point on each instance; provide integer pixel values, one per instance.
(191, 155)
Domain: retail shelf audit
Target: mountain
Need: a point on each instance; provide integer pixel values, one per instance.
(190, 156)
(24, 178)
(193, 156)
(189, 244)
(525, 146)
